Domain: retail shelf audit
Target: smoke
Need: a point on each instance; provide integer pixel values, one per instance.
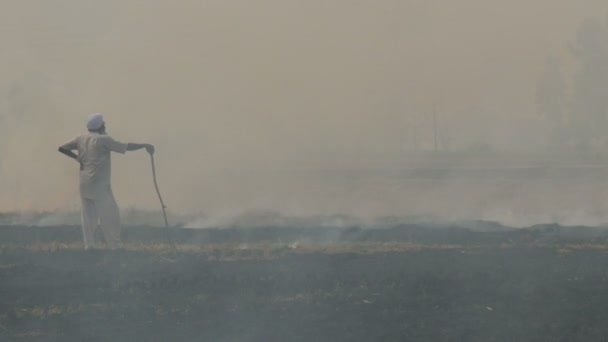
(303, 108)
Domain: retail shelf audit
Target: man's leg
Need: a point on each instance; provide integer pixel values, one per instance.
(110, 219)
(89, 222)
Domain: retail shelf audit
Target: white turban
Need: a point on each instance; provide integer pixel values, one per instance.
(95, 122)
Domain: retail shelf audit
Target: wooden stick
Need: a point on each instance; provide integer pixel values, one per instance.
(164, 207)
(162, 203)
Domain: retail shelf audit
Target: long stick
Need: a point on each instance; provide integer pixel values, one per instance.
(162, 203)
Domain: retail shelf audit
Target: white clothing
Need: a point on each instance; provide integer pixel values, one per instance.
(96, 165)
(95, 122)
(103, 209)
(97, 199)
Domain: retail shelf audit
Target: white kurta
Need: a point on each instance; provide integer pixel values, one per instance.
(98, 203)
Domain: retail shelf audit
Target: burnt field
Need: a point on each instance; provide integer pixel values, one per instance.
(476, 282)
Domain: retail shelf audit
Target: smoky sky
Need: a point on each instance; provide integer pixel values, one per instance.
(242, 98)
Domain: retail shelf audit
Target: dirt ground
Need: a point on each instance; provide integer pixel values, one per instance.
(405, 283)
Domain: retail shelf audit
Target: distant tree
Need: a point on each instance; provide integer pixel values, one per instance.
(551, 101)
(590, 86)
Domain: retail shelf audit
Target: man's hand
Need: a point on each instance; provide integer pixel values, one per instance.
(69, 153)
(134, 147)
(149, 148)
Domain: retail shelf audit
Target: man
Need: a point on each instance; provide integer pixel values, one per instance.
(97, 200)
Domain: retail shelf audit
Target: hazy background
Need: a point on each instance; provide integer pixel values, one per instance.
(304, 107)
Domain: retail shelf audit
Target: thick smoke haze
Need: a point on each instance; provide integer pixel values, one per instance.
(298, 107)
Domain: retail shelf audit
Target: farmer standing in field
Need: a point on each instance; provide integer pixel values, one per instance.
(96, 196)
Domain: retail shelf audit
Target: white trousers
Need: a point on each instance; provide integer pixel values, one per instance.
(102, 209)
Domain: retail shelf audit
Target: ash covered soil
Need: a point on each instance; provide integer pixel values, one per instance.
(478, 282)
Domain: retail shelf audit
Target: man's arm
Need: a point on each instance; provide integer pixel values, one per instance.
(117, 146)
(68, 147)
(68, 153)
(135, 147)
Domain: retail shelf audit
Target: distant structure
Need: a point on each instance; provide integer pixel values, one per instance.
(579, 117)
(551, 101)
